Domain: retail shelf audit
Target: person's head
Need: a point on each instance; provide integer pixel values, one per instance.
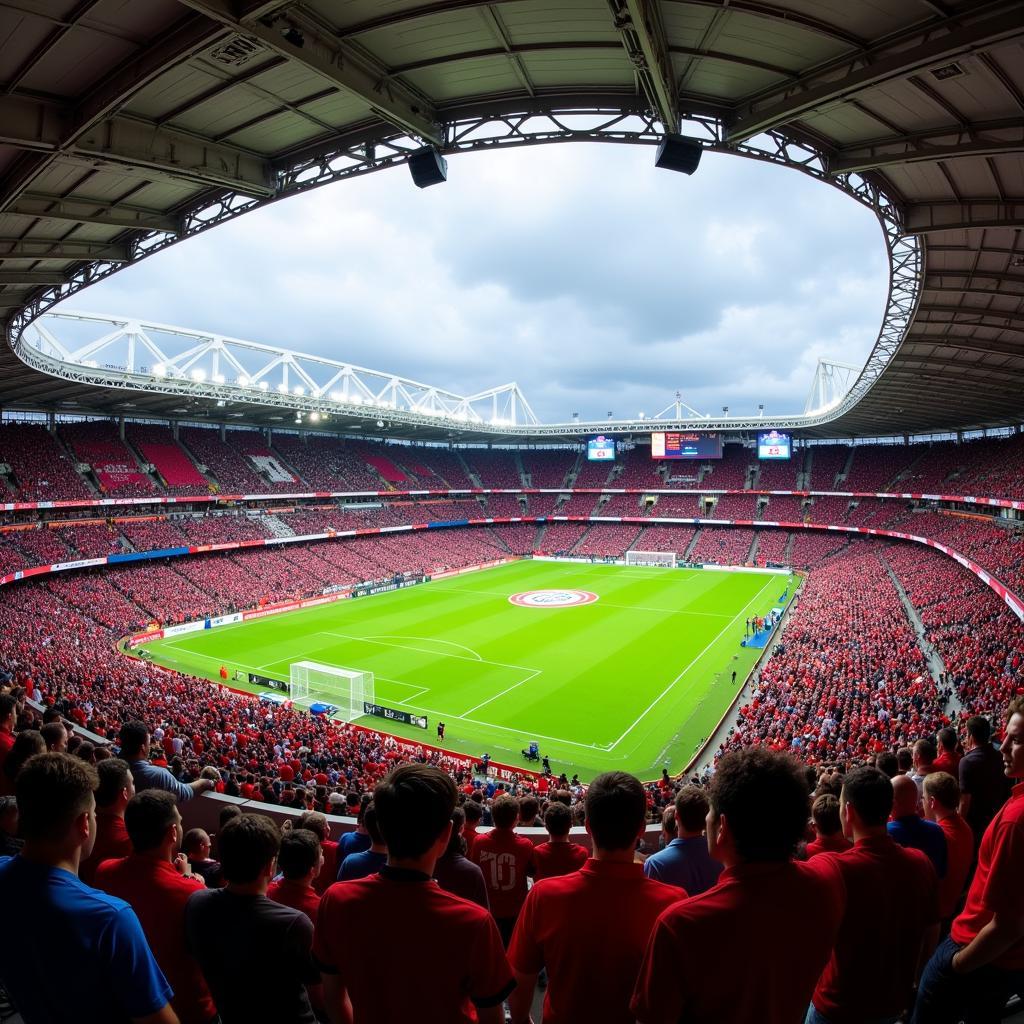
(904, 759)
(8, 712)
(473, 811)
(979, 730)
(153, 823)
(887, 764)
(116, 786)
(316, 823)
(56, 805)
(55, 736)
(616, 811)
(668, 823)
(196, 844)
(866, 800)
(1012, 747)
(456, 844)
(227, 813)
(529, 808)
(758, 807)
(134, 741)
(691, 806)
(558, 821)
(9, 815)
(941, 795)
(905, 796)
(372, 825)
(924, 755)
(27, 743)
(248, 847)
(825, 815)
(505, 811)
(414, 805)
(301, 855)
(947, 739)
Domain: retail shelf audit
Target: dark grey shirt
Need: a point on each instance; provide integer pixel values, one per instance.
(983, 778)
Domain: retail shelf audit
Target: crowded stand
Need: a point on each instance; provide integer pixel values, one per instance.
(824, 464)
(782, 509)
(608, 540)
(548, 468)
(600, 474)
(780, 476)
(878, 467)
(623, 505)
(560, 538)
(665, 538)
(772, 547)
(810, 546)
(506, 505)
(679, 506)
(226, 463)
(822, 510)
(729, 473)
(157, 446)
(517, 539)
(737, 506)
(41, 468)
(497, 468)
(635, 469)
(722, 546)
(98, 444)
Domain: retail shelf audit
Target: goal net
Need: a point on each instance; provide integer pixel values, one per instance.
(346, 689)
(666, 559)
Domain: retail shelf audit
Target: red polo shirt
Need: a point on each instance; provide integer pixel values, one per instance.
(792, 912)
(996, 884)
(959, 853)
(447, 950)
(946, 762)
(564, 926)
(111, 842)
(6, 742)
(158, 894)
(837, 843)
(296, 895)
(554, 859)
(329, 871)
(892, 897)
(505, 859)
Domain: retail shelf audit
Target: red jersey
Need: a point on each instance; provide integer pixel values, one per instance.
(996, 883)
(564, 926)
(837, 843)
(505, 859)
(296, 895)
(329, 870)
(959, 853)
(111, 842)
(554, 859)
(892, 897)
(687, 971)
(158, 894)
(6, 743)
(462, 965)
(946, 762)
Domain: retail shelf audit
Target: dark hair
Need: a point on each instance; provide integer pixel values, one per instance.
(114, 777)
(887, 764)
(691, 805)
(1015, 707)
(870, 794)
(763, 795)
(558, 820)
(371, 824)
(925, 750)
(505, 811)
(316, 823)
(193, 839)
(616, 810)
(300, 851)
(27, 743)
(473, 811)
(979, 728)
(529, 808)
(53, 733)
(8, 706)
(132, 738)
(904, 759)
(246, 845)
(947, 738)
(943, 788)
(456, 844)
(414, 806)
(147, 818)
(825, 812)
(227, 814)
(53, 790)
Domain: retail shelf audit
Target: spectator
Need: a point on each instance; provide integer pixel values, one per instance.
(61, 921)
(891, 918)
(685, 862)
(909, 829)
(358, 840)
(948, 759)
(591, 968)
(135, 747)
(300, 860)
(8, 720)
(457, 874)
(828, 827)
(505, 859)
(941, 800)
(529, 812)
(757, 817)
(474, 814)
(55, 736)
(27, 743)
(558, 856)
(318, 824)
(366, 862)
(113, 793)
(923, 766)
(196, 846)
(976, 969)
(248, 848)
(10, 844)
(982, 781)
(461, 964)
(155, 879)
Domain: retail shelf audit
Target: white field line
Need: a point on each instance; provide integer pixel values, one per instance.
(474, 655)
(657, 700)
(484, 703)
(421, 650)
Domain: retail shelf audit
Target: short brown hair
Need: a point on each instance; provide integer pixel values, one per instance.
(505, 812)
(616, 810)
(825, 812)
(414, 806)
(558, 820)
(944, 789)
(147, 818)
(1015, 707)
(529, 808)
(246, 844)
(691, 808)
(114, 775)
(300, 849)
(53, 790)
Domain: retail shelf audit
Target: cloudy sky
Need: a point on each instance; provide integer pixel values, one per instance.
(583, 273)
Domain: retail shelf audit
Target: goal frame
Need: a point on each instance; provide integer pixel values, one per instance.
(311, 682)
(653, 559)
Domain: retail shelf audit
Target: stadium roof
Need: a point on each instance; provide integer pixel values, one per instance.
(125, 127)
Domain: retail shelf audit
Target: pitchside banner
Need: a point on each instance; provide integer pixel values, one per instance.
(393, 715)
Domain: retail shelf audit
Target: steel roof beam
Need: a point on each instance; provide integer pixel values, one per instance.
(92, 211)
(643, 36)
(967, 344)
(30, 277)
(62, 249)
(869, 158)
(927, 218)
(782, 106)
(338, 63)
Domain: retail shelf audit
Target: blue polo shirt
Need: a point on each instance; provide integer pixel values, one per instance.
(919, 834)
(70, 953)
(361, 864)
(686, 864)
(153, 776)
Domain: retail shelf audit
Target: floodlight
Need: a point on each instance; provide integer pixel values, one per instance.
(282, 389)
(380, 424)
(243, 381)
(298, 390)
(264, 386)
(218, 378)
(198, 375)
(159, 370)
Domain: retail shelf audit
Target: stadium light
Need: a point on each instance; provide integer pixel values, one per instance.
(282, 389)
(218, 378)
(725, 410)
(159, 370)
(264, 386)
(243, 381)
(298, 390)
(199, 376)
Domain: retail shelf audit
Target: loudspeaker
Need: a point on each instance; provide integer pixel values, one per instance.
(677, 153)
(428, 167)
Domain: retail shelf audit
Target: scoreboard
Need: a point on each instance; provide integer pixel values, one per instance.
(774, 445)
(601, 449)
(679, 444)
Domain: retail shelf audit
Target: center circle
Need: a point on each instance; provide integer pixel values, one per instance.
(552, 598)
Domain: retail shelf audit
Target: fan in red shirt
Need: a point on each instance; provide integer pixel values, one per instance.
(941, 803)
(948, 759)
(8, 719)
(505, 859)
(981, 964)
(447, 951)
(474, 813)
(318, 824)
(563, 925)
(827, 827)
(758, 813)
(558, 856)
(115, 790)
(155, 880)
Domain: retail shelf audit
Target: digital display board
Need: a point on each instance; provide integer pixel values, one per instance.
(773, 445)
(678, 444)
(601, 449)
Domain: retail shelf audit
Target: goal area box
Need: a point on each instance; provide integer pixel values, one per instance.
(663, 559)
(349, 690)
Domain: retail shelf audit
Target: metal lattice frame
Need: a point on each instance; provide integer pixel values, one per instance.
(495, 130)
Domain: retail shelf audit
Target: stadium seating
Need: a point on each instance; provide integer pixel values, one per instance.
(729, 473)
(156, 445)
(115, 468)
(41, 468)
(826, 462)
(548, 468)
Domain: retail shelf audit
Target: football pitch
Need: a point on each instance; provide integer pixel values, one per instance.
(610, 667)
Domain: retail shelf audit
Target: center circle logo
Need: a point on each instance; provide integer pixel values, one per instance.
(553, 598)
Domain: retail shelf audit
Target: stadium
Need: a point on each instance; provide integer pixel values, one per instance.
(299, 573)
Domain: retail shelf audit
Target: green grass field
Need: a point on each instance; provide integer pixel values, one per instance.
(635, 680)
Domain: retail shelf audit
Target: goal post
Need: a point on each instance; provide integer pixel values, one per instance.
(664, 559)
(346, 689)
